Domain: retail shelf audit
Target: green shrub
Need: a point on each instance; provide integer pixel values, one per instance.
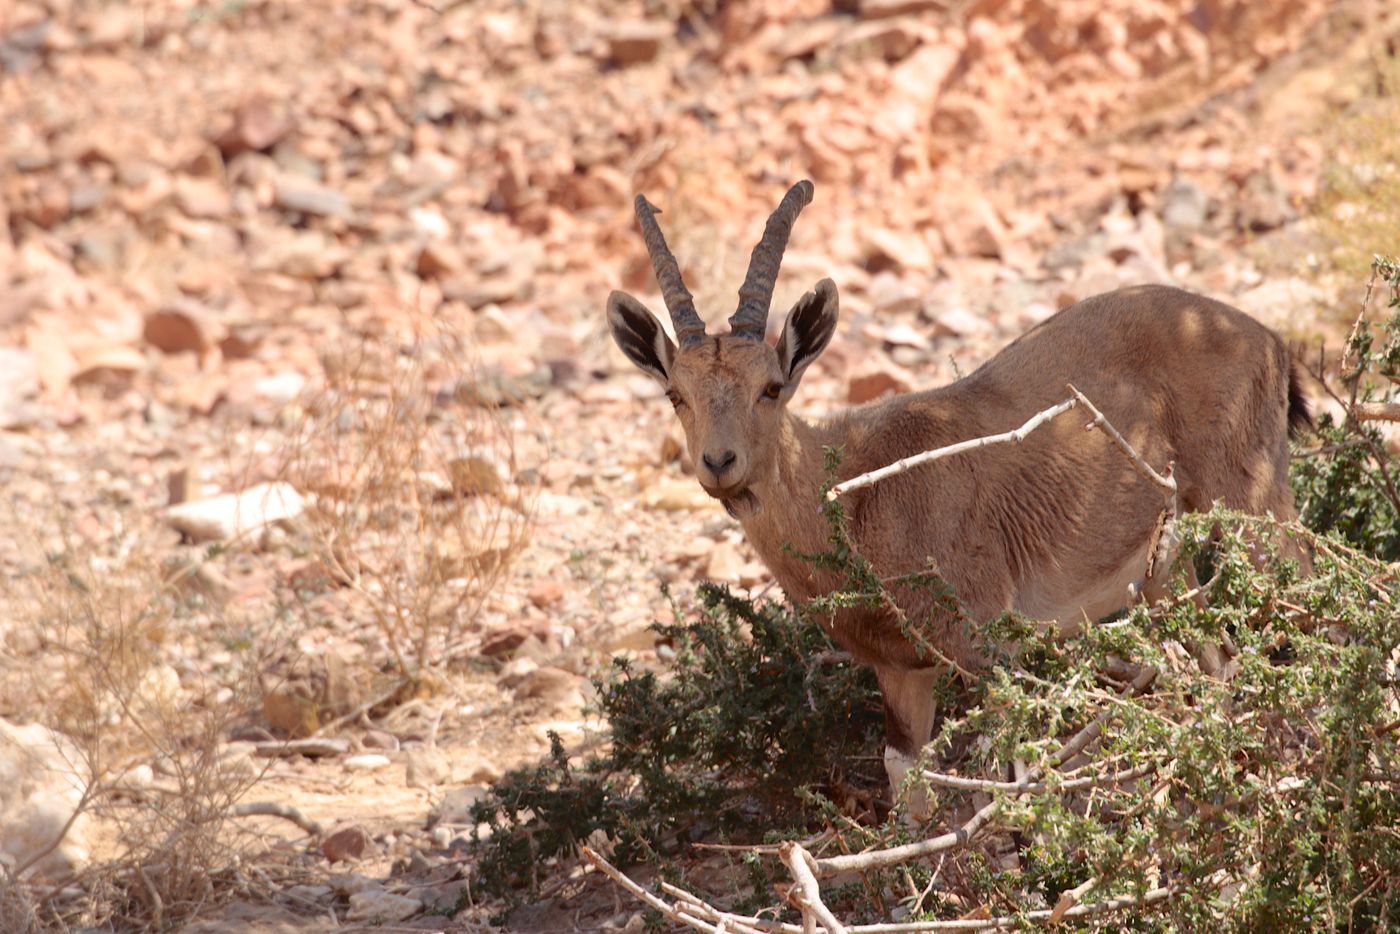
(1349, 485)
(756, 707)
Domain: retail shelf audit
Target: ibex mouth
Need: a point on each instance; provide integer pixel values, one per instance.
(742, 505)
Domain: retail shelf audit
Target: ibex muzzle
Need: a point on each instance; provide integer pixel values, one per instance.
(1056, 527)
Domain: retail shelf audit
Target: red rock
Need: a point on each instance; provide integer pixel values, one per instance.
(181, 328)
(293, 193)
(546, 593)
(874, 384)
(257, 125)
(437, 259)
(503, 643)
(806, 38)
(108, 365)
(347, 844)
(49, 206)
(904, 249)
(554, 686)
(971, 226)
(894, 38)
(879, 9)
(633, 43)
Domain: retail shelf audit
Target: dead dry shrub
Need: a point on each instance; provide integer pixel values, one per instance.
(415, 508)
(112, 663)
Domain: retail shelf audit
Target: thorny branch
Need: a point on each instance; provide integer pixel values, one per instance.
(877, 859)
(1038, 787)
(806, 871)
(694, 912)
(800, 863)
(1163, 535)
(915, 460)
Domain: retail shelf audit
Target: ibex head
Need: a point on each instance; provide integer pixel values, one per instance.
(728, 390)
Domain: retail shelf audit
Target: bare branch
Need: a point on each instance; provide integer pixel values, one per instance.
(273, 809)
(1376, 411)
(876, 859)
(1164, 533)
(1032, 788)
(694, 912)
(660, 904)
(1101, 421)
(915, 460)
(690, 903)
(799, 862)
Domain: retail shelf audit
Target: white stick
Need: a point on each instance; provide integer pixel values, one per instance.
(799, 862)
(876, 859)
(915, 460)
(1073, 784)
(1100, 421)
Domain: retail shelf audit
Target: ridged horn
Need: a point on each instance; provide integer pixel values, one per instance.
(756, 294)
(689, 327)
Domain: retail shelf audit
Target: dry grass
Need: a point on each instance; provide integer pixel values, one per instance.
(1359, 208)
(144, 726)
(415, 508)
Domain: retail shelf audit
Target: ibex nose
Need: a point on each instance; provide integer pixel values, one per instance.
(718, 465)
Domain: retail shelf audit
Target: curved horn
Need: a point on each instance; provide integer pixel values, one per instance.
(756, 294)
(689, 327)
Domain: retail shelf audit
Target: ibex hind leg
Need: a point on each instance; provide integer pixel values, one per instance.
(910, 709)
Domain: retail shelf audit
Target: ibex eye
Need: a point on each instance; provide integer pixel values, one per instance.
(675, 398)
(773, 391)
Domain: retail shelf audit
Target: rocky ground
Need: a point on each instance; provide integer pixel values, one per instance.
(253, 247)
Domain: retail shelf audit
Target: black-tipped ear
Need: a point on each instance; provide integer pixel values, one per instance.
(640, 336)
(810, 325)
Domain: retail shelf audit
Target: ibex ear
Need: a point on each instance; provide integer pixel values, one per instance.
(640, 336)
(808, 330)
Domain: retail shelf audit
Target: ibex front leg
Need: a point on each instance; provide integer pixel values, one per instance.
(910, 707)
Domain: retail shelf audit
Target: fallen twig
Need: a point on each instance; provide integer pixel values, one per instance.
(655, 901)
(876, 859)
(273, 809)
(696, 913)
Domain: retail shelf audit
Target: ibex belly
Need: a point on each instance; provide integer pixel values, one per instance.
(1049, 600)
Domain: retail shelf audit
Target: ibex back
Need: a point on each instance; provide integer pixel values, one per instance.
(1056, 527)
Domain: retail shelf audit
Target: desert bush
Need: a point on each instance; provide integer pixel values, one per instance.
(1265, 800)
(1349, 483)
(756, 706)
(143, 731)
(415, 509)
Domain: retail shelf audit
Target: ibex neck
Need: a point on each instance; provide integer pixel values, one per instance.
(790, 516)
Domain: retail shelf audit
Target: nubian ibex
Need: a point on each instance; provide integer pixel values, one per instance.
(1056, 527)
